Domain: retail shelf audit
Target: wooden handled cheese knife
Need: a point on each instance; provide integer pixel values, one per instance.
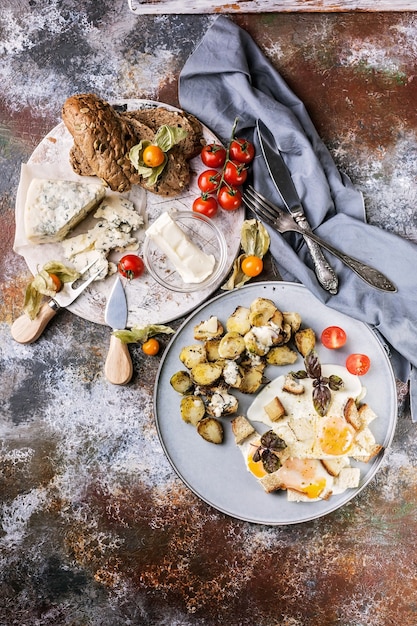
(118, 367)
(24, 330)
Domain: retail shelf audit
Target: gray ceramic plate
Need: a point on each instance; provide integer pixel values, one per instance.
(217, 473)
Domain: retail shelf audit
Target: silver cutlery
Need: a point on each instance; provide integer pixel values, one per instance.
(284, 184)
(273, 215)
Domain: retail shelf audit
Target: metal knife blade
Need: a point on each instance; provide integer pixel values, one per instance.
(284, 184)
(118, 367)
(115, 313)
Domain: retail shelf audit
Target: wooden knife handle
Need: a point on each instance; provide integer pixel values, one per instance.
(25, 330)
(118, 368)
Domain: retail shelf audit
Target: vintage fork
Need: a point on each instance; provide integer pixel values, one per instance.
(265, 210)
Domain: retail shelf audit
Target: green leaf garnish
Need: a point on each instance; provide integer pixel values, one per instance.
(166, 138)
(321, 385)
(270, 442)
(136, 334)
(254, 240)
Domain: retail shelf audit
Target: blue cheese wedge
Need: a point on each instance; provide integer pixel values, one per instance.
(54, 207)
(192, 264)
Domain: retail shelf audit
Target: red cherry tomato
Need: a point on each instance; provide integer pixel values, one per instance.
(235, 173)
(252, 265)
(131, 266)
(333, 337)
(358, 364)
(213, 155)
(209, 180)
(229, 198)
(241, 150)
(206, 205)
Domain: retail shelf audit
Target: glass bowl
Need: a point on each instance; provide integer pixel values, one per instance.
(201, 231)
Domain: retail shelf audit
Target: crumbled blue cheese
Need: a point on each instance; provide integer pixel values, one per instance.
(221, 403)
(265, 336)
(102, 236)
(231, 373)
(54, 207)
(120, 212)
(84, 259)
(112, 232)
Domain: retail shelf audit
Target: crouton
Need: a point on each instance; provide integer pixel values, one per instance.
(241, 428)
(351, 414)
(366, 414)
(348, 478)
(271, 482)
(292, 385)
(335, 466)
(274, 409)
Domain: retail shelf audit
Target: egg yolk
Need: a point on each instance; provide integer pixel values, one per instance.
(313, 490)
(303, 475)
(336, 436)
(256, 467)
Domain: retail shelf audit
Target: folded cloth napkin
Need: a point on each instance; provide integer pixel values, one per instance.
(227, 76)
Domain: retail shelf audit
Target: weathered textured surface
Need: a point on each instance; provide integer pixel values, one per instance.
(142, 7)
(96, 527)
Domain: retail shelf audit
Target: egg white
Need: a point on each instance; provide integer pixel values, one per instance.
(305, 478)
(301, 427)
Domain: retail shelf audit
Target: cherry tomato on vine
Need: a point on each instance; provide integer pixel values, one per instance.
(213, 155)
(57, 282)
(358, 364)
(252, 265)
(131, 266)
(241, 150)
(151, 346)
(206, 205)
(235, 173)
(153, 156)
(209, 180)
(333, 337)
(229, 198)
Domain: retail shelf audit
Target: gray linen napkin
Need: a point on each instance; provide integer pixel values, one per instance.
(227, 76)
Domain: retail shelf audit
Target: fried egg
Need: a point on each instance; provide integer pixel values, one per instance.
(306, 433)
(316, 460)
(307, 477)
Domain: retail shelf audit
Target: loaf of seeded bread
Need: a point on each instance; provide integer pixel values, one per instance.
(103, 138)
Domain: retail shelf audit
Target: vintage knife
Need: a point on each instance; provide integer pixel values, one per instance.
(24, 330)
(118, 368)
(286, 189)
